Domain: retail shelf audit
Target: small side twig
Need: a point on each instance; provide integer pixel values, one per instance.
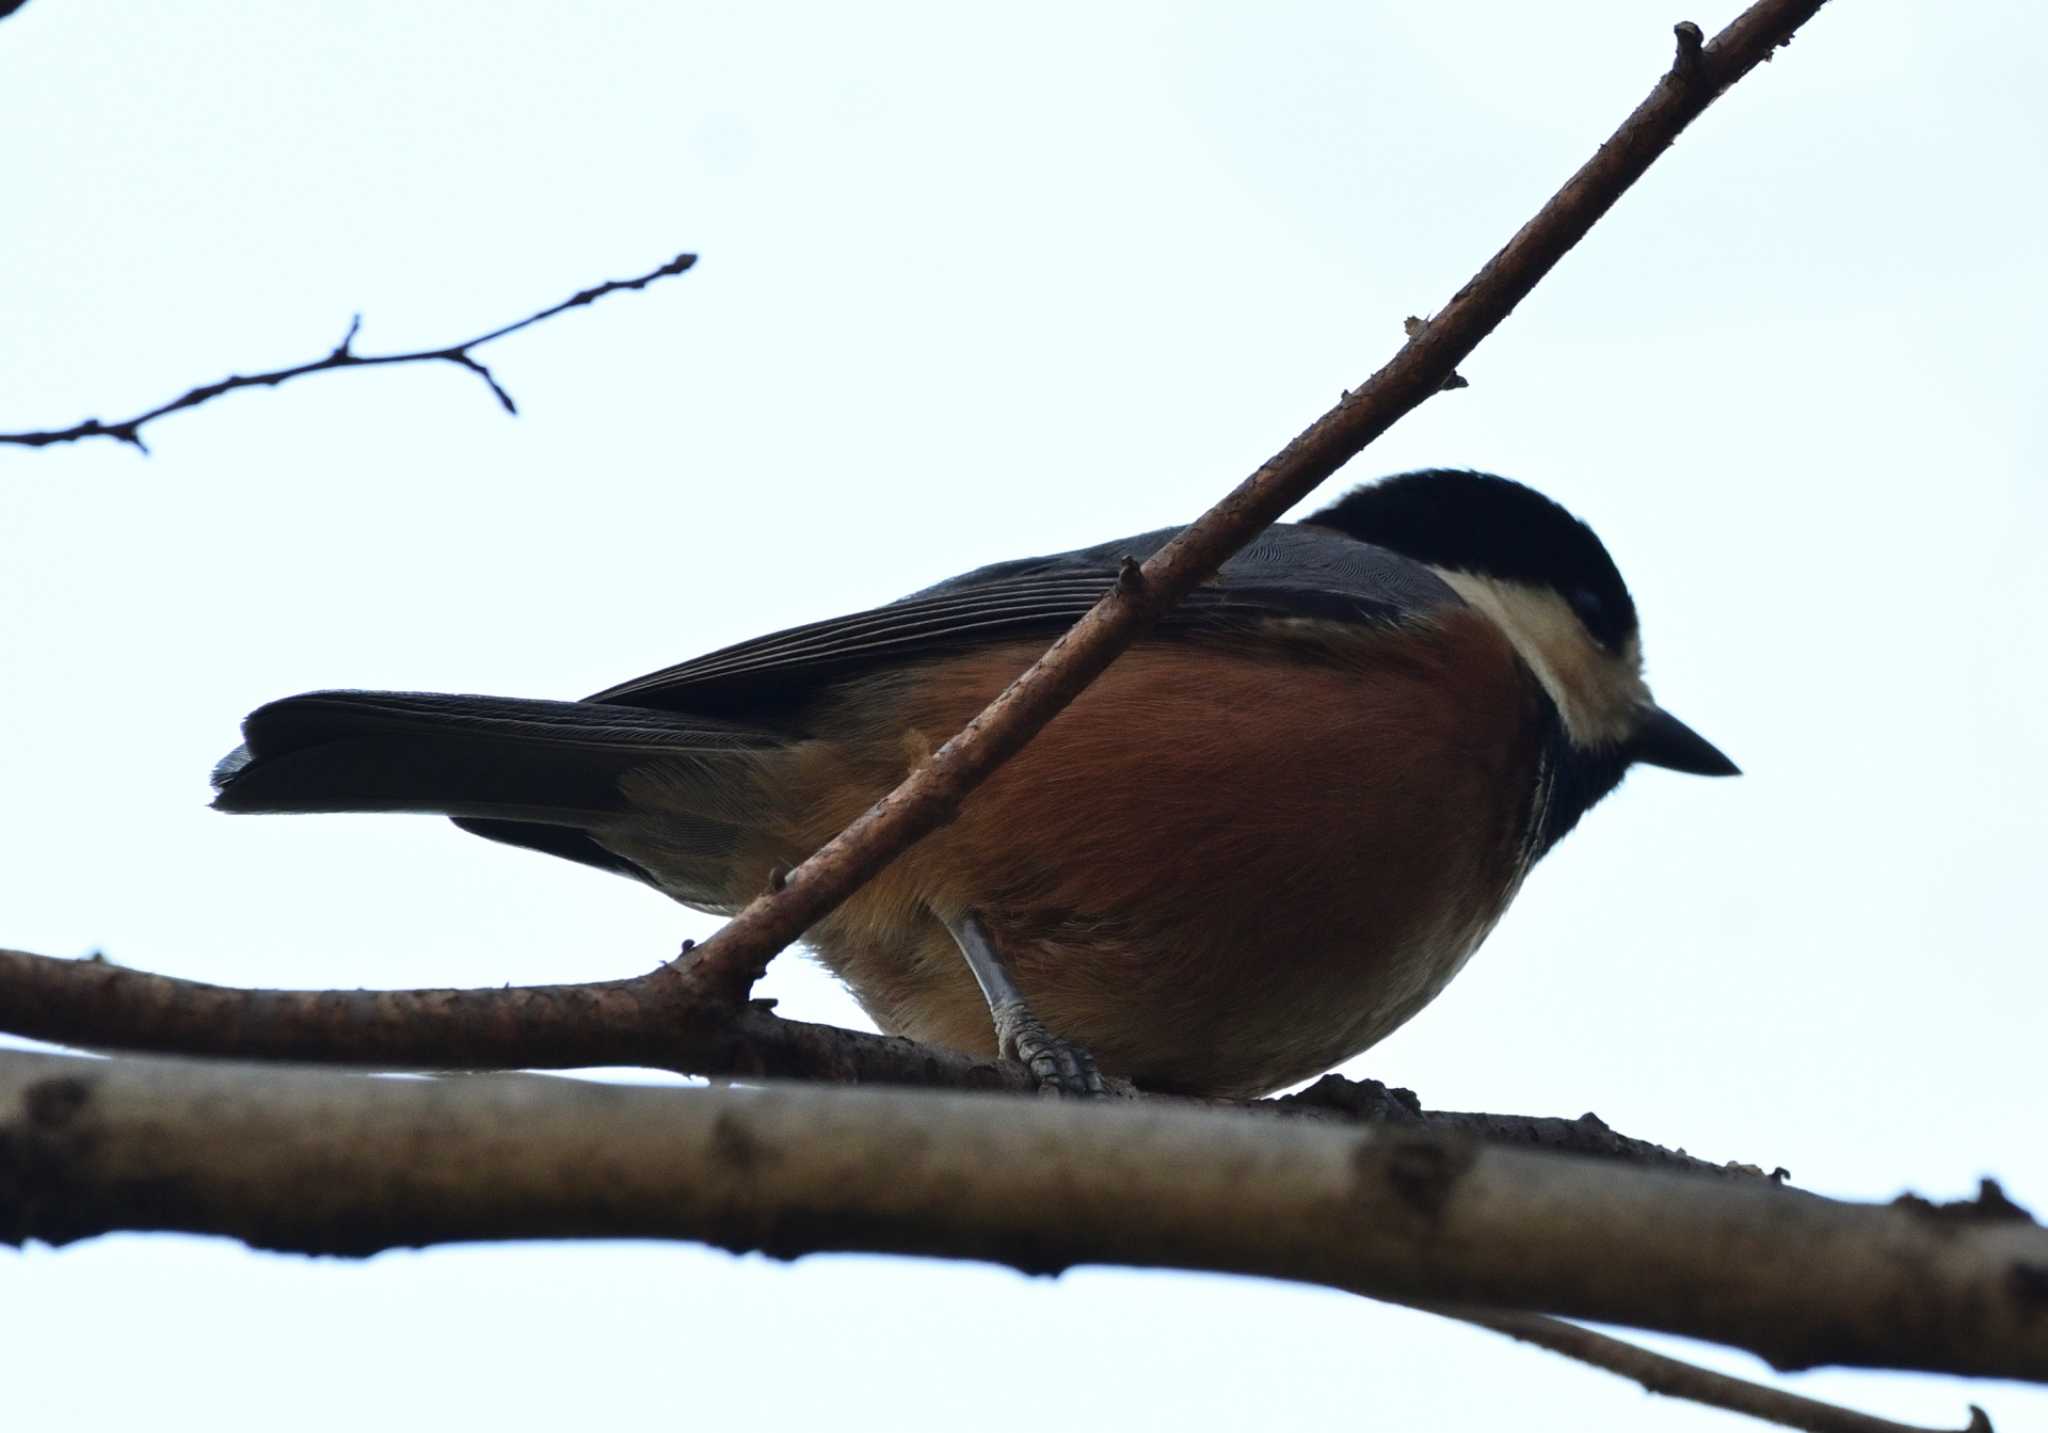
(1415, 327)
(344, 355)
(1687, 64)
(1675, 1378)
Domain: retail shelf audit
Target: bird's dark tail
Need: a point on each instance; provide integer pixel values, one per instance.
(491, 757)
(533, 773)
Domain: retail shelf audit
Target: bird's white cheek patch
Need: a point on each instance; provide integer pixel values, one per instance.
(1598, 693)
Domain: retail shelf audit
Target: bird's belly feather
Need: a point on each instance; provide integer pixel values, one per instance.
(1222, 869)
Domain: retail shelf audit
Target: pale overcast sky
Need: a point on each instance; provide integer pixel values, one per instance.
(977, 283)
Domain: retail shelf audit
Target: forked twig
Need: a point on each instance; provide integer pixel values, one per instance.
(129, 430)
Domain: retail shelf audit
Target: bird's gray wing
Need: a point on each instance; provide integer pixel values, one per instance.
(1289, 571)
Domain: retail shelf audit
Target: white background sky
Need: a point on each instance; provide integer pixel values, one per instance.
(978, 283)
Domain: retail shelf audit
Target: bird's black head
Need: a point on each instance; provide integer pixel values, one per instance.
(1494, 528)
(1548, 582)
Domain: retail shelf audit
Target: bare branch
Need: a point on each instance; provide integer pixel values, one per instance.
(1675, 1378)
(647, 1021)
(644, 1021)
(321, 1162)
(730, 962)
(129, 430)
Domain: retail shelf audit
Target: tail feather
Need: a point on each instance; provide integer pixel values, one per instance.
(581, 847)
(496, 758)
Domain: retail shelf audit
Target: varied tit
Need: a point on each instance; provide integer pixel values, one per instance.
(1267, 835)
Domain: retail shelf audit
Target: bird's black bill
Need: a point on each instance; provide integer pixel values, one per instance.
(1665, 741)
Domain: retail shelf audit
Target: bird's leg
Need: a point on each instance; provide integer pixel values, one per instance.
(1059, 1066)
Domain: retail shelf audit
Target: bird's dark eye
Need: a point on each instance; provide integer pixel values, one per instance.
(1591, 611)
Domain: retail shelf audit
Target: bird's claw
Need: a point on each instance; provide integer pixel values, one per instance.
(1060, 1066)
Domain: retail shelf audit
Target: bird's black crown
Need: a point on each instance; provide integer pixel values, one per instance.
(1490, 527)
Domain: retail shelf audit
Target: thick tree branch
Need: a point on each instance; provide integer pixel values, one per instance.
(307, 1160)
(1675, 1378)
(129, 430)
(732, 960)
(647, 1021)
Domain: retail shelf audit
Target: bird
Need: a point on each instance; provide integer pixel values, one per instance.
(1263, 838)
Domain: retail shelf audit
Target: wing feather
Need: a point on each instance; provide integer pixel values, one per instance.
(1291, 571)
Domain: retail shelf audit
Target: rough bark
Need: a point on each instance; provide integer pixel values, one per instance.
(332, 1163)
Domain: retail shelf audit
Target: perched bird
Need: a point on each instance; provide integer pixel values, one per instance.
(1265, 837)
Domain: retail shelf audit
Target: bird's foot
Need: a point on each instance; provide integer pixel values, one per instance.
(1060, 1066)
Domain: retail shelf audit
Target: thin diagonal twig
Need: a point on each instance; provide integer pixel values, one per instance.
(1675, 1378)
(129, 430)
(731, 961)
